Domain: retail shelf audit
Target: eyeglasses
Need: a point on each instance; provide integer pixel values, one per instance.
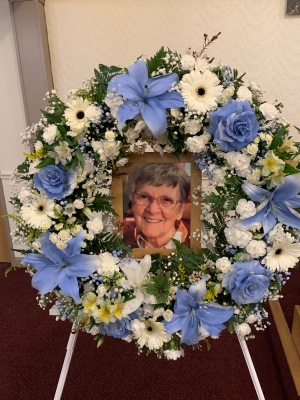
(145, 199)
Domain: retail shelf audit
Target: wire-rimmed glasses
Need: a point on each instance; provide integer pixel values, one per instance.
(145, 199)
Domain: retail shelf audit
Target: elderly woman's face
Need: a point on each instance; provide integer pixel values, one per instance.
(156, 221)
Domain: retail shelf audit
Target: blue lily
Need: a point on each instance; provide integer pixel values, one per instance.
(190, 310)
(61, 267)
(275, 206)
(148, 97)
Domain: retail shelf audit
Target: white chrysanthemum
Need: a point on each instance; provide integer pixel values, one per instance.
(223, 264)
(174, 354)
(283, 256)
(108, 264)
(153, 336)
(257, 248)
(38, 210)
(95, 225)
(192, 126)
(245, 208)
(237, 237)
(75, 115)
(200, 91)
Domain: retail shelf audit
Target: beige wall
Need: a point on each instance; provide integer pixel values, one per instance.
(257, 38)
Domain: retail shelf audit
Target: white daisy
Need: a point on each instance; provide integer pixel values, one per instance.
(283, 255)
(75, 115)
(154, 335)
(200, 91)
(37, 211)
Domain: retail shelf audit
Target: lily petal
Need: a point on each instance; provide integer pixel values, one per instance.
(127, 86)
(139, 71)
(126, 111)
(171, 100)
(289, 189)
(189, 330)
(69, 286)
(38, 261)
(288, 216)
(82, 265)
(47, 279)
(214, 313)
(214, 329)
(161, 84)
(198, 290)
(74, 244)
(49, 249)
(154, 115)
(255, 193)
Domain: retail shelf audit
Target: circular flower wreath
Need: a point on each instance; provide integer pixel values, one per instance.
(77, 256)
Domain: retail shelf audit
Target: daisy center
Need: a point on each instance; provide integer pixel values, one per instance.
(149, 329)
(201, 91)
(80, 115)
(278, 251)
(40, 208)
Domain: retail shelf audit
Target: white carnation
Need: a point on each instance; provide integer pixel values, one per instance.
(78, 203)
(95, 225)
(237, 237)
(188, 62)
(201, 65)
(251, 319)
(257, 248)
(223, 264)
(192, 126)
(245, 208)
(122, 162)
(244, 94)
(268, 110)
(243, 330)
(137, 327)
(108, 265)
(197, 144)
(174, 354)
(38, 145)
(24, 195)
(50, 133)
(93, 113)
(239, 161)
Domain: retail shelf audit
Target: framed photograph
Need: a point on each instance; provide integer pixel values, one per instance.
(292, 7)
(156, 200)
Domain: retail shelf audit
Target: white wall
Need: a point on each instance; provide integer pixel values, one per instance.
(12, 114)
(257, 38)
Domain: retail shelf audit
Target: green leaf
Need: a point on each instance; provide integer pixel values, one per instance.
(156, 61)
(277, 137)
(51, 118)
(159, 286)
(24, 167)
(46, 161)
(288, 169)
(72, 164)
(102, 202)
(79, 156)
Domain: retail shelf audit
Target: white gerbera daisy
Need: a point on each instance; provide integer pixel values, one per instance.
(75, 115)
(154, 335)
(283, 255)
(200, 90)
(37, 211)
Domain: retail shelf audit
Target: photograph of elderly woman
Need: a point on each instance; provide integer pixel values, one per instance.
(156, 205)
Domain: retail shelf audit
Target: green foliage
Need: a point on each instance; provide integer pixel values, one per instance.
(13, 268)
(277, 137)
(102, 203)
(159, 286)
(155, 62)
(215, 199)
(79, 156)
(24, 167)
(103, 76)
(46, 161)
(187, 257)
(52, 118)
(108, 242)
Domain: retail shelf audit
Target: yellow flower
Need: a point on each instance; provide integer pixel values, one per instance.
(288, 145)
(271, 164)
(181, 273)
(104, 313)
(89, 302)
(210, 294)
(117, 308)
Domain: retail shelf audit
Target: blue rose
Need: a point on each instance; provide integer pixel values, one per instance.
(120, 328)
(56, 181)
(233, 126)
(248, 283)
